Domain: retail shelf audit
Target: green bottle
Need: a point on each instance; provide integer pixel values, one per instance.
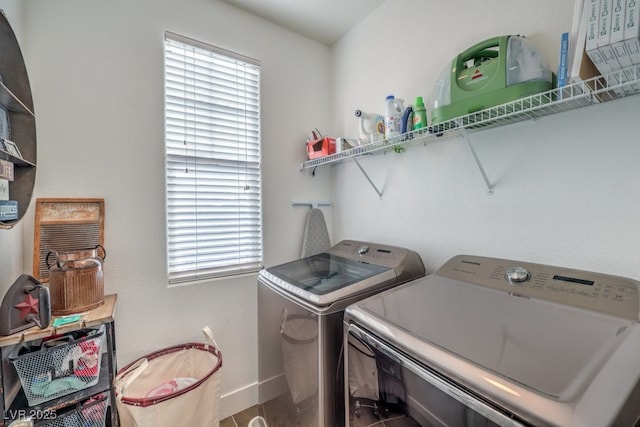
(419, 114)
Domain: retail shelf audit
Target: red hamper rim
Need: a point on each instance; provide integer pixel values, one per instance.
(144, 402)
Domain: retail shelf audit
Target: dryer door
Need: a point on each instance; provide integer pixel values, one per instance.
(382, 383)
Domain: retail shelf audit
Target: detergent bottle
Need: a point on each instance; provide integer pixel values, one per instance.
(393, 117)
(419, 114)
(407, 119)
(371, 127)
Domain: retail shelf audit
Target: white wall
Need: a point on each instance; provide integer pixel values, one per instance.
(565, 186)
(96, 70)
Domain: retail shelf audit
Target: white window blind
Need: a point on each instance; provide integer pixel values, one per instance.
(212, 136)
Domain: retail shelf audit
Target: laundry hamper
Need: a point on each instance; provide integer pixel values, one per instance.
(299, 338)
(175, 386)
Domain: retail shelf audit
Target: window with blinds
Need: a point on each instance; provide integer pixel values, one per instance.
(212, 138)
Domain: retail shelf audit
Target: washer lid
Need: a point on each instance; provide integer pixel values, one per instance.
(326, 278)
(557, 345)
(552, 349)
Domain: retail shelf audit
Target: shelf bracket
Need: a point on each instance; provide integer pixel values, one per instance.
(368, 178)
(465, 135)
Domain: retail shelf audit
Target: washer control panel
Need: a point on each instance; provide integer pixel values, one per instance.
(517, 275)
(605, 293)
(363, 249)
(372, 253)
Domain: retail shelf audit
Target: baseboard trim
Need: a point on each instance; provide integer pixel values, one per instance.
(253, 394)
(238, 400)
(271, 388)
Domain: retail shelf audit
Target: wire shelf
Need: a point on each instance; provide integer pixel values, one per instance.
(596, 90)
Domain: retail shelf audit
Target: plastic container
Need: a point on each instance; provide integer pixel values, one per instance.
(393, 117)
(419, 114)
(407, 119)
(371, 127)
(321, 147)
(257, 422)
(61, 366)
(90, 413)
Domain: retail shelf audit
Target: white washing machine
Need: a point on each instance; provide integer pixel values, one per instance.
(486, 342)
(300, 310)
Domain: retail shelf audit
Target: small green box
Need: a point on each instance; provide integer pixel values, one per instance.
(60, 321)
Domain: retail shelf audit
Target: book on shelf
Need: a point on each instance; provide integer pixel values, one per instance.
(8, 210)
(604, 35)
(632, 36)
(632, 31)
(618, 19)
(562, 63)
(605, 26)
(609, 34)
(618, 34)
(6, 170)
(4, 189)
(591, 43)
(581, 67)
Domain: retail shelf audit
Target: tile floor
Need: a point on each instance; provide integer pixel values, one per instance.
(278, 412)
(242, 419)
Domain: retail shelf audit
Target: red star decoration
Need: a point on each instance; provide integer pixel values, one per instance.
(30, 305)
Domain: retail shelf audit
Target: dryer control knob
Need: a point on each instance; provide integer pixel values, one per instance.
(363, 249)
(517, 275)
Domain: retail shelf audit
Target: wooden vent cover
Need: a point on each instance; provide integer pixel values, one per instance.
(65, 225)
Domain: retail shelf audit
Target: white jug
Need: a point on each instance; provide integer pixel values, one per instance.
(371, 127)
(393, 117)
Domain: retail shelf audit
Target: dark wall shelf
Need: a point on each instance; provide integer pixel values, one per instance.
(16, 99)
